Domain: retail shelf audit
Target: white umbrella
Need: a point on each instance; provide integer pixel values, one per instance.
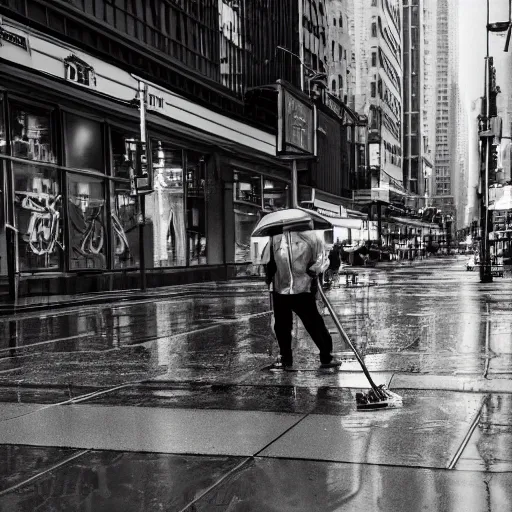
(294, 219)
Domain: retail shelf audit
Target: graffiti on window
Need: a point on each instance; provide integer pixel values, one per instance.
(86, 206)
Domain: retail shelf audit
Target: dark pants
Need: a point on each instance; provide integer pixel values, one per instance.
(304, 305)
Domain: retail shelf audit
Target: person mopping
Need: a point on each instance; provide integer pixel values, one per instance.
(293, 261)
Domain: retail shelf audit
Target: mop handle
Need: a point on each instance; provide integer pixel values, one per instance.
(347, 339)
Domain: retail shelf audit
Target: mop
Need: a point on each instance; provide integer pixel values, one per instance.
(378, 397)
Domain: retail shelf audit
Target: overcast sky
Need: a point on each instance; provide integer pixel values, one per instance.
(472, 43)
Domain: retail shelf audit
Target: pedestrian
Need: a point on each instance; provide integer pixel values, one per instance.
(293, 261)
(334, 258)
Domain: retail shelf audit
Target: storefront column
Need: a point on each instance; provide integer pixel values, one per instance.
(229, 224)
(215, 224)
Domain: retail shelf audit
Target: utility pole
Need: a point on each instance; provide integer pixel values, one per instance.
(485, 260)
(141, 199)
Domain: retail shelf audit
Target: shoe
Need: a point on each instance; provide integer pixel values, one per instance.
(281, 365)
(333, 363)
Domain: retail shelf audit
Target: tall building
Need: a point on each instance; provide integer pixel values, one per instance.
(378, 91)
(341, 76)
(461, 164)
(419, 45)
(446, 164)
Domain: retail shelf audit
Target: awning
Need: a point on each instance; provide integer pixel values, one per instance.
(345, 223)
(414, 223)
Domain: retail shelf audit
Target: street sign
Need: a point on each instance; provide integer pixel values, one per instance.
(497, 270)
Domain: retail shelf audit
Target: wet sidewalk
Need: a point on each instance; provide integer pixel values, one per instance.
(166, 402)
(441, 451)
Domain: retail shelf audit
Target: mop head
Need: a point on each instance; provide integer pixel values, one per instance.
(383, 399)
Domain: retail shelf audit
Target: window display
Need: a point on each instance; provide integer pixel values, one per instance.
(86, 210)
(196, 208)
(31, 133)
(123, 150)
(247, 207)
(165, 207)
(84, 143)
(38, 215)
(275, 195)
(125, 233)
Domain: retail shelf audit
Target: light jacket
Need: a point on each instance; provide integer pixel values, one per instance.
(295, 253)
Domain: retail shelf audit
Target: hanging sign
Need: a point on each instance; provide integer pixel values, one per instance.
(296, 125)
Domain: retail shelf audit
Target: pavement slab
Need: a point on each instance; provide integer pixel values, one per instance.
(425, 432)
(490, 446)
(9, 411)
(279, 398)
(20, 463)
(240, 433)
(121, 482)
(270, 485)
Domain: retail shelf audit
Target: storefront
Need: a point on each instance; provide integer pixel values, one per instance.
(69, 220)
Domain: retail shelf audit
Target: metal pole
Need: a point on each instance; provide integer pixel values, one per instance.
(295, 185)
(301, 43)
(485, 269)
(140, 197)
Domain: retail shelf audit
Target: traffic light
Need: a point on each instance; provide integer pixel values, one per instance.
(142, 171)
(141, 175)
(493, 158)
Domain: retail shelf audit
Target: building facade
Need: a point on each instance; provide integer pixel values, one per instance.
(83, 88)
(446, 143)
(378, 94)
(419, 98)
(341, 75)
(99, 96)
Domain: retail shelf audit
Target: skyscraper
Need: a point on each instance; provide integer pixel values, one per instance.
(419, 43)
(378, 90)
(446, 143)
(339, 43)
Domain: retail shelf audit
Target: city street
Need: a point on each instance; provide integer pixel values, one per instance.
(164, 400)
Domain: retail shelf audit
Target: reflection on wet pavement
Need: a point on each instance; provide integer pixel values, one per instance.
(19, 463)
(430, 319)
(490, 447)
(204, 353)
(269, 485)
(109, 481)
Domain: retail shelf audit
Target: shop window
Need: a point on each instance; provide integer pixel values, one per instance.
(125, 232)
(247, 187)
(86, 214)
(38, 216)
(275, 195)
(196, 208)
(247, 208)
(83, 143)
(123, 150)
(165, 208)
(31, 133)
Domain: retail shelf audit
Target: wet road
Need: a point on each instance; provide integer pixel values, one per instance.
(434, 318)
(175, 388)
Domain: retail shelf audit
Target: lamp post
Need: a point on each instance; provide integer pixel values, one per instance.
(485, 265)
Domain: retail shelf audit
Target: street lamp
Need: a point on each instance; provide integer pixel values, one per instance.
(485, 267)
